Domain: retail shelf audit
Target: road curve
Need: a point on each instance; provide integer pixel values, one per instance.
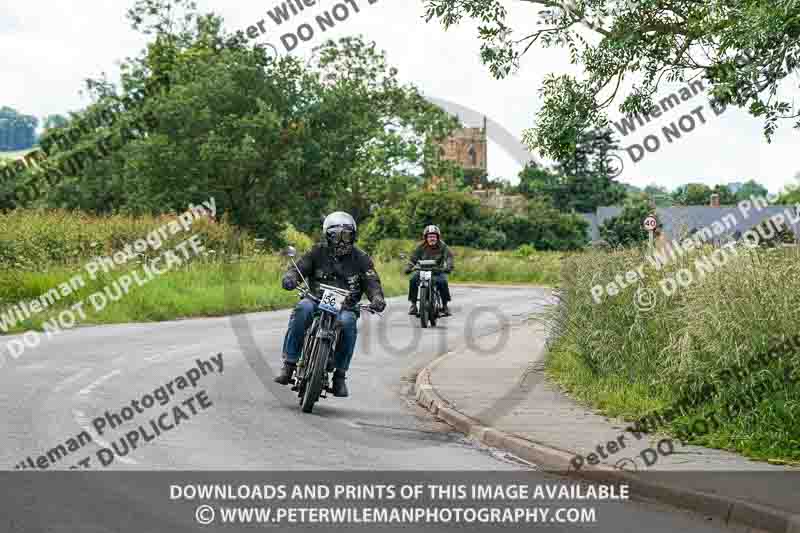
(239, 420)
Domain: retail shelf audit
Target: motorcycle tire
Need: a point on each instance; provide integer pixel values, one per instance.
(424, 307)
(316, 376)
(434, 308)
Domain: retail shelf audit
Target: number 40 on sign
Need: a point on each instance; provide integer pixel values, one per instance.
(650, 223)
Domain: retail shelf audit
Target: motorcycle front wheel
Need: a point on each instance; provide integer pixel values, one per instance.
(424, 306)
(316, 375)
(434, 314)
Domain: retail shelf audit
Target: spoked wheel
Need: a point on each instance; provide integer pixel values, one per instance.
(315, 375)
(424, 307)
(435, 306)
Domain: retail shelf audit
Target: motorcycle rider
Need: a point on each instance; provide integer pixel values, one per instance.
(336, 261)
(432, 247)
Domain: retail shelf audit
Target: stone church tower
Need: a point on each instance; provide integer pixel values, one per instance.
(467, 147)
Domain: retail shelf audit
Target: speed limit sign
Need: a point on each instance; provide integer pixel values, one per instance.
(650, 223)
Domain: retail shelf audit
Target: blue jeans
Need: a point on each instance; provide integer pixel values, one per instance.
(301, 319)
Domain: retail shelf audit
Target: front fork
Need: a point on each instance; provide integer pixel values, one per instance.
(323, 327)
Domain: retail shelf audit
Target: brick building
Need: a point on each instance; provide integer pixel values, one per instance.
(468, 148)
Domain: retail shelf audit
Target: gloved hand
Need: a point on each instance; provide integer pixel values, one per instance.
(408, 269)
(378, 305)
(289, 282)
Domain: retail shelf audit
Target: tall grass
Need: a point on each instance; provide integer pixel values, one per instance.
(627, 361)
(201, 288)
(40, 249)
(471, 265)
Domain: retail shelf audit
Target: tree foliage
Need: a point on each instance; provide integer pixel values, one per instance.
(582, 180)
(626, 228)
(658, 195)
(746, 49)
(692, 194)
(751, 188)
(199, 114)
(463, 222)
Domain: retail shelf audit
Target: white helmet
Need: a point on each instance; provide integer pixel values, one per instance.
(431, 229)
(339, 230)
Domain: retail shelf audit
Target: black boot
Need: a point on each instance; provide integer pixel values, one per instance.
(286, 374)
(413, 311)
(445, 310)
(339, 386)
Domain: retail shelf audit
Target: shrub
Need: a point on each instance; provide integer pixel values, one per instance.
(36, 239)
(525, 251)
(391, 249)
(386, 223)
(554, 230)
(298, 239)
(626, 228)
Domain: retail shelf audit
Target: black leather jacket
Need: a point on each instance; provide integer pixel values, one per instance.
(354, 272)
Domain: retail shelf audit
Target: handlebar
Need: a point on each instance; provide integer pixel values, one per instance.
(306, 293)
(417, 268)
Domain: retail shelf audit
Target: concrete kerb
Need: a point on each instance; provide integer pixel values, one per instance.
(557, 461)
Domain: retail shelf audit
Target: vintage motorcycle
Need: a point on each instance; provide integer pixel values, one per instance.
(312, 379)
(428, 297)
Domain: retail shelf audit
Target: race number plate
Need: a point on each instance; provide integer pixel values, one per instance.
(425, 274)
(331, 302)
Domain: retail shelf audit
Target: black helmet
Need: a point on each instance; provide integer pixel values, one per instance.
(431, 229)
(339, 231)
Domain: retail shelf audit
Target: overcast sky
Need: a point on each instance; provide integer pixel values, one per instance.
(51, 47)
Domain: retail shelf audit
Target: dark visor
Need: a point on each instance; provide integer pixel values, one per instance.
(341, 234)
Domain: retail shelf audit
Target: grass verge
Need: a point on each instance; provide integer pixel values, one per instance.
(628, 360)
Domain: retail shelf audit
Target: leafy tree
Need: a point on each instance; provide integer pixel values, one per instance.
(271, 140)
(658, 195)
(55, 121)
(582, 181)
(538, 182)
(385, 223)
(692, 194)
(541, 226)
(745, 48)
(626, 228)
(790, 196)
(726, 197)
(397, 120)
(750, 188)
(448, 210)
(588, 181)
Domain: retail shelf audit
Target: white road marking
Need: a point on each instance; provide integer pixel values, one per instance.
(83, 421)
(85, 391)
(73, 378)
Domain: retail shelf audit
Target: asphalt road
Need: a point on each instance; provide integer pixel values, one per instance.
(240, 420)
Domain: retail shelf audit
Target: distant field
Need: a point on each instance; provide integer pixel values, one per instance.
(15, 155)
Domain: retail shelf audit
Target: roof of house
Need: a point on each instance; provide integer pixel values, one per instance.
(675, 222)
